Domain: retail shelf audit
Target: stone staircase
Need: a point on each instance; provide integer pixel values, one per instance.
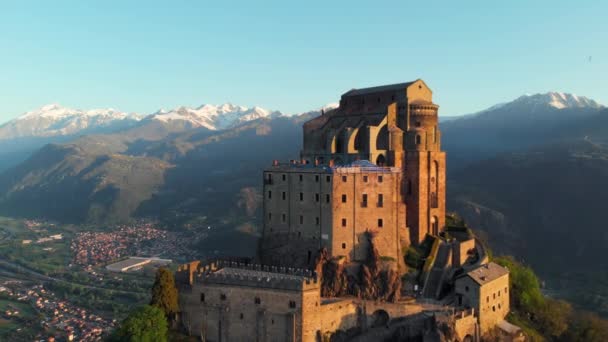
(434, 281)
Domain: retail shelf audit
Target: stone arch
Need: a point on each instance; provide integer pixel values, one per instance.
(382, 139)
(381, 160)
(468, 338)
(362, 139)
(330, 142)
(380, 318)
(341, 142)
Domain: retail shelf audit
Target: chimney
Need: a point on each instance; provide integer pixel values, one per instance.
(275, 163)
(304, 162)
(331, 163)
(316, 161)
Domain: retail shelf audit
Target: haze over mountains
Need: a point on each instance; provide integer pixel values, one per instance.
(188, 138)
(528, 173)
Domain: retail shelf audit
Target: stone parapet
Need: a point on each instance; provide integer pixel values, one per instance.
(255, 275)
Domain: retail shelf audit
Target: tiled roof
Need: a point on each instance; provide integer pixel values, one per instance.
(487, 273)
(371, 90)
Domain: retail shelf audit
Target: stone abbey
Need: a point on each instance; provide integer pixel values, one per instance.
(337, 226)
(373, 165)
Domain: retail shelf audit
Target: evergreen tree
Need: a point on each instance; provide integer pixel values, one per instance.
(146, 324)
(164, 292)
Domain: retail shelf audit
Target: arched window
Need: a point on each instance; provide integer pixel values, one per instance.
(434, 225)
(380, 161)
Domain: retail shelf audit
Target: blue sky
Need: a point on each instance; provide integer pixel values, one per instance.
(294, 56)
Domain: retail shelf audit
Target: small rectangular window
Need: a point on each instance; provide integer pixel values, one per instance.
(284, 195)
(284, 218)
(344, 178)
(379, 179)
(301, 178)
(327, 198)
(343, 246)
(222, 296)
(343, 222)
(269, 216)
(380, 223)
(365, 179)
(364, 201)
(269, 194)
(301, 196)
(317, 221)
(380, 200)
(343, 198)
(292, 304)
(257, 300)
(328, 179)
(317, 197)
(317, 178)
(284, 177)
(301, 219)
(202, 297)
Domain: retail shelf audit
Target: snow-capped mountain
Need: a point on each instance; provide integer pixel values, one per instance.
(55, 120)
(531, 105)
(557, 100)
(213, 117)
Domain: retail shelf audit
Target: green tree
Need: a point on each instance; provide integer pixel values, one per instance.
(587, 327)
(164, 292)
(525, 287)
(145, 324)
(553, 317)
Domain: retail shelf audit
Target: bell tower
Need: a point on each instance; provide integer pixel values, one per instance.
(424, 170)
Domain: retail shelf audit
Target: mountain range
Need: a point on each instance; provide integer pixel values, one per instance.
(527, 174)
(55, 124)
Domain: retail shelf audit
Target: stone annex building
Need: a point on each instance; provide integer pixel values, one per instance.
(370, 170)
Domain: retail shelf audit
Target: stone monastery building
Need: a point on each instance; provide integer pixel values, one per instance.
(369, 184)
(372, 165)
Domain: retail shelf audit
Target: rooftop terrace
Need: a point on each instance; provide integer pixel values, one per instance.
(255, 275)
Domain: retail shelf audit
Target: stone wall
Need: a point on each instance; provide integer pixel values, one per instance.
(297, 214)
(238, 313)
(354, 217)
(461, 250)
(307, 208)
